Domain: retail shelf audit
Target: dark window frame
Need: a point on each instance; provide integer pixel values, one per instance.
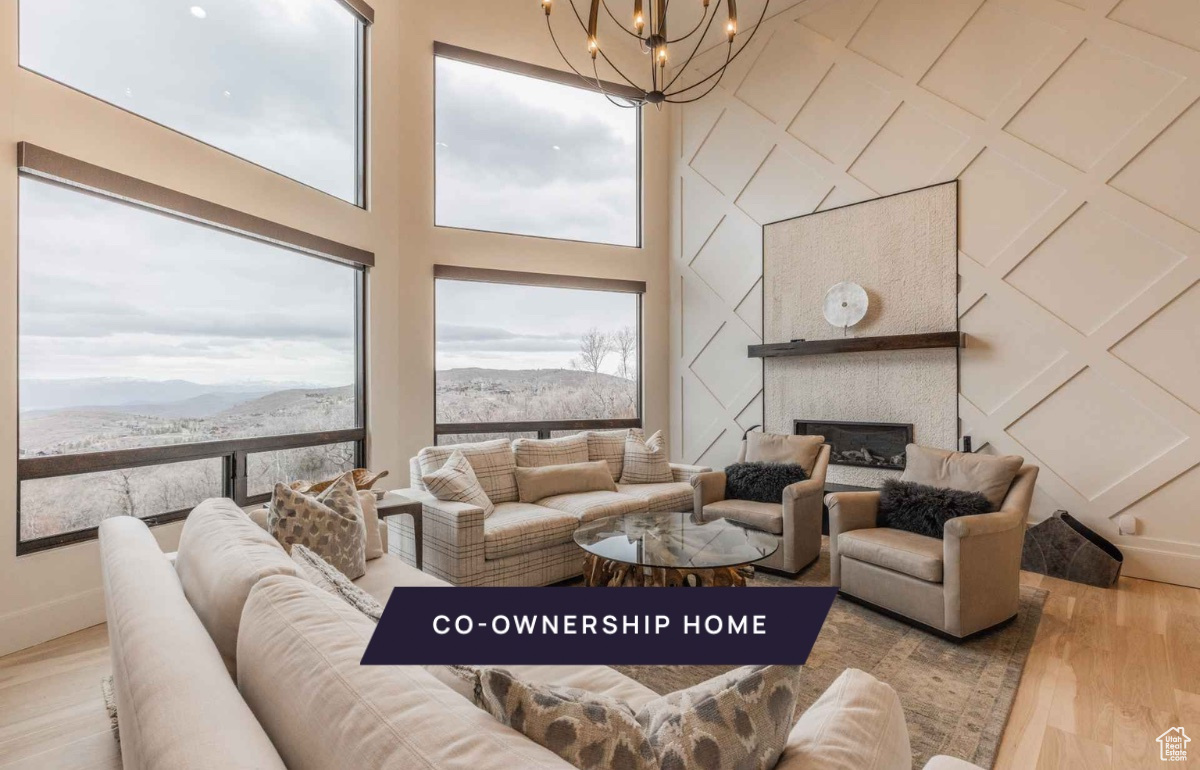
(561, 77)
(543, 428)
(53, 168)
(365, 16)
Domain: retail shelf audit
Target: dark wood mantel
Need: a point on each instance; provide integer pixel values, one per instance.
(858, 345)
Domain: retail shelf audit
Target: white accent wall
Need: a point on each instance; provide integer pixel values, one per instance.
(1074, 129)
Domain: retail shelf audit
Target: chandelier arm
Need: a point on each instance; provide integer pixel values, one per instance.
(730, 59)
(620, 26)
(721, 76)
(599, 50)
(600, 85)
(567, 61)
(683, 67)
(689, 34)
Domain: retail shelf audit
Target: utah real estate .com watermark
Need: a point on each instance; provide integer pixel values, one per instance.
(1172, 745)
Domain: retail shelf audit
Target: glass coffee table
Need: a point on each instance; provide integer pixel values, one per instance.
(670, 549)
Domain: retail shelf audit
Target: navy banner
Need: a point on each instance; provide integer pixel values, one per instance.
(608, 626)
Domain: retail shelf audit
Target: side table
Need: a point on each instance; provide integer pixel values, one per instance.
(396, 504)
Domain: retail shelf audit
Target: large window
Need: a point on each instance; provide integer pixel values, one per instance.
(529, 355)
(277, 83)
(163, 361)
(524, 155)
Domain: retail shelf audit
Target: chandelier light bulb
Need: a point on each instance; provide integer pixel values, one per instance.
(593, 46)
(731, 28)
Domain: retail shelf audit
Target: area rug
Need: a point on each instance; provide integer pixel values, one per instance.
(110, 705)
(956, 696)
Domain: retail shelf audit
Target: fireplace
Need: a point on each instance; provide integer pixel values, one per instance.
(862, 444)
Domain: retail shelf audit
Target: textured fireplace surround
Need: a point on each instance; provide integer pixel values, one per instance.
(903, 250)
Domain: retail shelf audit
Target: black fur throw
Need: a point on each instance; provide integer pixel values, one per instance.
(923, 509)
(761, 482)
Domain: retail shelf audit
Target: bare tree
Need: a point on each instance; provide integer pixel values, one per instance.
(594, 347)
(121, 484)
(624, 344)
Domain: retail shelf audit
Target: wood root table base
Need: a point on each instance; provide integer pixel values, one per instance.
(598, 571)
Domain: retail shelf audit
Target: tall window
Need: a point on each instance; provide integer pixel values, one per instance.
(523, 155)
(163, 361)
(277, 83)
(519, 359)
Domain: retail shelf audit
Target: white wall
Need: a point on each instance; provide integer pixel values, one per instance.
(1073, 127)
(51, 593)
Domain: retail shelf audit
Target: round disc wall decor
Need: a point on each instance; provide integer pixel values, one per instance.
(845, 304)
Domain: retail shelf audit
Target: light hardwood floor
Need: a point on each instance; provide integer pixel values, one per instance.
(1108, 673)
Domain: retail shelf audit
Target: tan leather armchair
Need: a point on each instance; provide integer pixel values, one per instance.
(796, 519)
(965, 583)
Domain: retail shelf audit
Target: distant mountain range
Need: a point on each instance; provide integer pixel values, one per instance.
(121, 392)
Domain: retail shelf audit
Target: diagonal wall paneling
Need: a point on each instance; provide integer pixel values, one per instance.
(1072, 128)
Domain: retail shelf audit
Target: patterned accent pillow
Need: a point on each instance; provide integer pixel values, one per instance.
(740, 719)
(609, 446)
(331, 525)
(591, 731)
(536, 453)
(646, 462)
(492, 461)
(323, 575)
(455, 482)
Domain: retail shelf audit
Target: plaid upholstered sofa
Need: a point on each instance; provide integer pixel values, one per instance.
(530, 544)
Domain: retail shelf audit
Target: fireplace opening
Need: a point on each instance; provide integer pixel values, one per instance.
(861, 444)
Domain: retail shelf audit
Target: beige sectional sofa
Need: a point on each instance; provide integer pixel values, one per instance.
(529, 543)
(232, 660)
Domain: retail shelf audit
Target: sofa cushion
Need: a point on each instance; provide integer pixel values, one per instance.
(533, 484)
(896, 550)
(589, 506)
(989, 474)
(492, 461)
(523, 527)
(667, 497)
(300, 655)
(856, 724)
(222, 554)
(456, 482)
(646, 460)
(390, 571)
(782, 448)
(534, 453)
(609, 446)
(767, 517)
(325, 576)
(370, 510)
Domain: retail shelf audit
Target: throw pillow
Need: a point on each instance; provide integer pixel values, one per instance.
(455, 482)
(370, 509)
(646, 460)
(924, 509)
(991, 475)
(740, 719)
(535, 484)
(591, 731)
(761, 482)
(331, 525)
(492, 461)
(323, 575)
(535, 453)
(609, 445)
(782, 448)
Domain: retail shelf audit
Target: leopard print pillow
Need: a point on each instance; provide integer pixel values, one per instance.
(331, 525)
(591, 731)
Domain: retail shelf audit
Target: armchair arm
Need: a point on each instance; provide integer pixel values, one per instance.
(984, 523)
(452, 538)
(848, 511)
(708, 488)
(682, 472)
(982, 569)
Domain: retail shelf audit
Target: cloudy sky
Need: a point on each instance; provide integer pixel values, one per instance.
(109, 290)
(495, 326)
(521, 155)
(272, 81)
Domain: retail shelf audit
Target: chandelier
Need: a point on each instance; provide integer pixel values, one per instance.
(649, 27)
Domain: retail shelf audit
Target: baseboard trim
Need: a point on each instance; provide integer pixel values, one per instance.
(43, 622)
(1161, 566)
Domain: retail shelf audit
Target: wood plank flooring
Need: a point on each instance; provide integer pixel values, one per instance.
(1108, 673)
